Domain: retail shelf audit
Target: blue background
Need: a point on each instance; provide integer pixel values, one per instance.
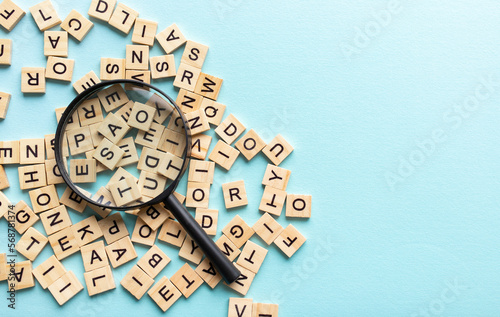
(395, 135)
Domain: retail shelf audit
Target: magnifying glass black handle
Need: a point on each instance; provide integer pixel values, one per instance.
(221, 263)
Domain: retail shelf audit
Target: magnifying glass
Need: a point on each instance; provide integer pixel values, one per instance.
(124, 145)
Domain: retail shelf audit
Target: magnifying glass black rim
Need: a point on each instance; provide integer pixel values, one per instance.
(72, 108)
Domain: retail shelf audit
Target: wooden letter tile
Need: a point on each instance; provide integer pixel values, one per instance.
(90, 112)
(268, 310)
(108, 154)
(64, 288)
(73, 200)
(267, 228)
(44, 198)
(32, 176)
(96, 136)
(207, 218)
(238, 231)
(170, 166)
(139, 75)
(250, 144)
(150, 138)
(144, 32)
(11, 15)
(230, 129)
(208, 86)
(164, 294)
(113, 228)
(170, 39)
(191, 251)
(194, 54)
(119, 175)
(227, 247)
(272, 200)
(137, 282)
(276, 177)
(224, 155)
(23, 277)
(151, 185)
(162, 107)
(55, 219)
(4, 206)
(149, 160)
(113, 97)
(143, 234)
(172, 232)
(72, 122)
(200, 144)
(31, 243)
(103, 197)
(298, 206)
(33, 80)
(45, 15)
(240, 307)
(153, 261)
(112, 68)
(252, 256)
(80, 140)
(4, 181)
(243, 282)
(102, 9)
(208, 273)
(5, 51)
(31, 151)
(125, 191)
(162, 66)
(87, 81)
(125, 111)
(289, 240)
(83, 171)
(197, 121)
(137, 57)
(120, 252)
(94, 256)
(176, 123)
(201, 171)
(141, 117)
(49, 271)
(154, 216)
(113, 128)
(277, 150)
(173, 142)
(235, 194)
(55, 43)
(186, 77)
(188, 101)
(86, 231)
(77, 25)
(213, 110)
(99, 280)
(123, 18)
(130, 156)
(24, 217)
(63, 243)
(9, 152)
(4, 104)
(59, 68)
(197, 195)
(186, 280)
(50, 141)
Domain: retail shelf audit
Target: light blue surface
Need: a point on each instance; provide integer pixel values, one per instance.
(396, 230)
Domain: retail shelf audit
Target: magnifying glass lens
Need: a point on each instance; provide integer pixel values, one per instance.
(126, 146)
